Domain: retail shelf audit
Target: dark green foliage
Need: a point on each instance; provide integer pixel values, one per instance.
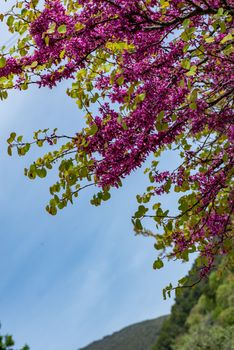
(184, 302)
(140, 336)
(208, 338)
(7, 343)
(203, 316)
(211, 321)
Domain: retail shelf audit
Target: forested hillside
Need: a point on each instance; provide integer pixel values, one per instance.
(140, 336)
(203, 316)
(211, 321)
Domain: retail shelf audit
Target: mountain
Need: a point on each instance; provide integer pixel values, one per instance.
(202, 317)
(139, 336)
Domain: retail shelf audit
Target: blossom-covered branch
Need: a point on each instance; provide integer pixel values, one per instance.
(161, 73)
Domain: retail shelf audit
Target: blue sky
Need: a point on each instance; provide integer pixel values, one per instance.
(70, 279)
(73, 278)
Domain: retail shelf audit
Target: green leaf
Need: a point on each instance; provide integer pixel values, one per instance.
(227, 38)
(156, 206)
(62, 29)
(120, 80)
(34, 64)
(164, 4)
(185, 64)
(106, 196)
(47, 40)
(186, 47)
(141, 97)
(93, 129)
(10, 21)
(167, 185)
(193, 106)
(52, 28)
(12, 137)
(169, 226)
(41, 172)
(158, 264)
(2, 62)
(192, 71)
(138, 225)
(9, 150)
(186, 23)
(209, 40)
(193, 95)
(124, 125)
(40, 143)
(51, 209)
(79, 103)
(141, 211)
(79, 26)
(160, 126)
(160, 116)
(19, 138)
(31, 174)
(183, 280)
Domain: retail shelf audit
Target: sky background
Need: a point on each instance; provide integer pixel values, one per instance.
(73, 278)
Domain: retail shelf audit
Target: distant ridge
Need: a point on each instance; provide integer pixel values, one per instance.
(139, 336)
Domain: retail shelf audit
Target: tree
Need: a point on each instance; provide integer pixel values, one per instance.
(201, 317)
(176, 324)
(161, 73)
(210, 323)
(6, 343)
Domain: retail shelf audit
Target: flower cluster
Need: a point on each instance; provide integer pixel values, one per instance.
(161, 73)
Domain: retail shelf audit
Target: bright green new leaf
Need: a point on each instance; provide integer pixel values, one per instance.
(62, 29)
(2, 62)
